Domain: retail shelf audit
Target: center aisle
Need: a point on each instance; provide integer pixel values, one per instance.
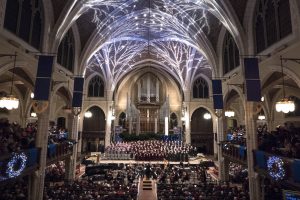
(147, 189)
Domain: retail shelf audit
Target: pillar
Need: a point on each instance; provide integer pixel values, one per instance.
(157, 90)
(215, 130)
(139, 91)
(220, 138)
(148, 89)
(254, 188)
(155, 125)
(108, 131)
(166, 126)
(36, 182)
(80, 127)
(2, 12)
(108, 126)
(72, 160)
(187, 124)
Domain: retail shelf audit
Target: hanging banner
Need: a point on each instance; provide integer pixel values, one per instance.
(253, 87)
(78, 92)
(217, 94)
(43, 78)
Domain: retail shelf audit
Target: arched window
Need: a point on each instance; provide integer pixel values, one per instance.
(272, 22)
(96, 87)
(200, 89)
(231, 57)
(66, 51)
(24, 18)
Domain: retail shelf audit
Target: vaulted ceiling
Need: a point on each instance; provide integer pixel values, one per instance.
(179, 35)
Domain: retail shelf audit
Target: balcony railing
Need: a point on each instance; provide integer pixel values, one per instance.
(278, 168)
(237, 153)
(18, 163)
(58, 152)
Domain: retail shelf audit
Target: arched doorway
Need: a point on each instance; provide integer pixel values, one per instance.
(93, 132)
(202, 132)
(122, 120)
(61, 122)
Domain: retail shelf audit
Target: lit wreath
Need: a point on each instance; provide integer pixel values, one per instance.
(276, 168)
(20, 159)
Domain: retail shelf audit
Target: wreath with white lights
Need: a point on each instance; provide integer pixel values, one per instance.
(276, 168)
(19, 161)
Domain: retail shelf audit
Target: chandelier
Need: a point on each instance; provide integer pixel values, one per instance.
(229, 113)
(285, 105)
(10, 101)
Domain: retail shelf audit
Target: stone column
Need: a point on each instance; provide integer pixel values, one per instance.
(187, 98)
(155, 125)
(108, 118)
(250, 120)
(73, 135)
(157, 90)
(215, 130)
(187, 124)
(220, 138)
(166, 126)
(139, 91)
(148, 89)
(36, 186)
(80, 127)
(2, 12)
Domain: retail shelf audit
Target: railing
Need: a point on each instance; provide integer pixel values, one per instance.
(234, 152)
(18, 163)
(278, 168)
(59, 151)
(93, 135)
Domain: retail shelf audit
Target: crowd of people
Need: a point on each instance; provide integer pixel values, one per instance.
(284, 141)
(14, 190)
(14, 138)
(200, 191)
(152, 150)
(237, 136)
(237, 173)
(55, 172)
(106, 185)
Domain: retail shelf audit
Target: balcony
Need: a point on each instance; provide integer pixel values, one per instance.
(57, 152)
(234, 152)
(278, 168)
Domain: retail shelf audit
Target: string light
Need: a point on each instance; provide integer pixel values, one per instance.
(17, 160)
(276, 168)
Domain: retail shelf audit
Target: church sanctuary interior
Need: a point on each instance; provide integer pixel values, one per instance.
(149, 99)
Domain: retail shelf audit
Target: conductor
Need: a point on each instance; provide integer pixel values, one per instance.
(148, 172)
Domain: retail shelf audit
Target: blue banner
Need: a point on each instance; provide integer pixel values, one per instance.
(51, 150)
(261, 161)
(253, 88)
(296, 171)
(43, 78)
(78, 92)
(217, 94)
(242, 151)
(32, 157)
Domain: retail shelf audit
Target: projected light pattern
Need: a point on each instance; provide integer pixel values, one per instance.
(116, 59)
(178, 19)
(170, 32)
